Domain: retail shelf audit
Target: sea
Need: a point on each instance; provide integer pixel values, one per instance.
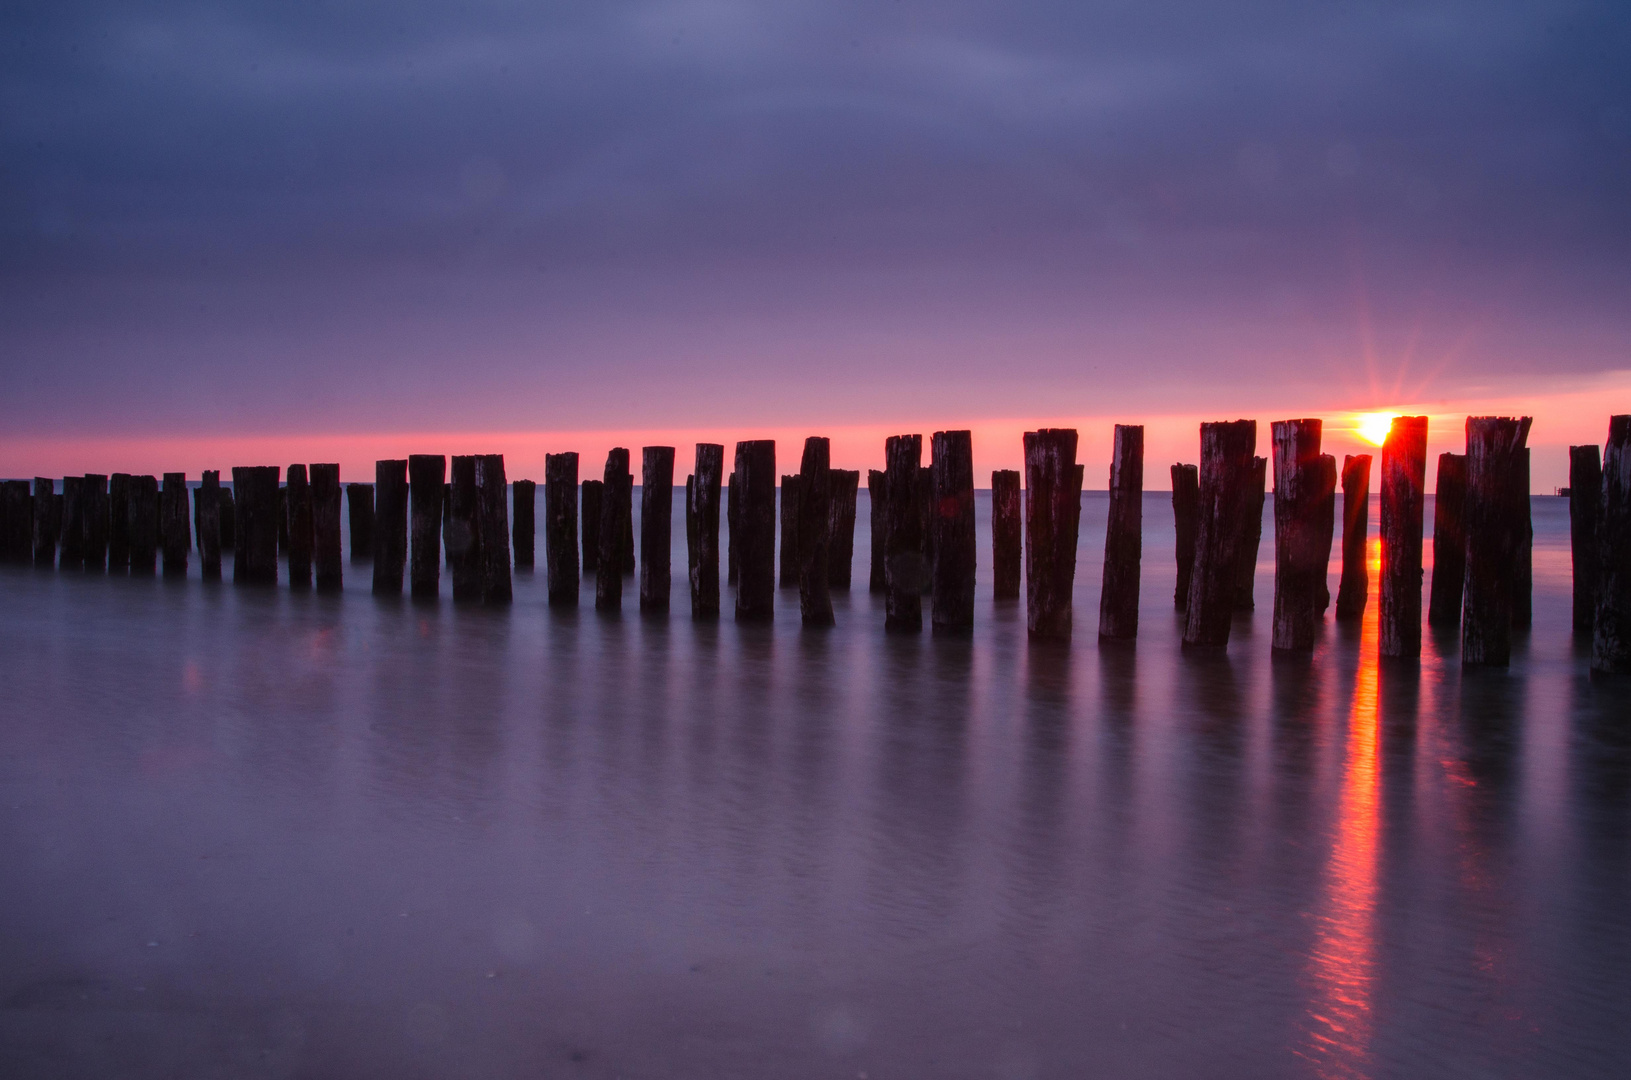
(256, 833)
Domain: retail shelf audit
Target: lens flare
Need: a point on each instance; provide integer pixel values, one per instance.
(1373, 427)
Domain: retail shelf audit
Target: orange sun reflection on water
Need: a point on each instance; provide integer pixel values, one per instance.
(1343, 960)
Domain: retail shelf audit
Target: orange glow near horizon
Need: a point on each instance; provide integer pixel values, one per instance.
(1373, 427)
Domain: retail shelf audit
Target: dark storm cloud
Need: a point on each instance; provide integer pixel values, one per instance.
(1195, 157)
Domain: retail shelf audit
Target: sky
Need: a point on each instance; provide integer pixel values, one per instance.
(279, 228)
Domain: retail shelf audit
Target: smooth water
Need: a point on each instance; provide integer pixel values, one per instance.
(247, 833)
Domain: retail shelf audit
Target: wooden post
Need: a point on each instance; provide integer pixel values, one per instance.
(73, 524)
(1585, 499)
(1449, 541)
(119, 523)
(789, 577)
(45, 523)
(1325, 524)
(925, 512)
(609, 572)
(1052, 516)
(447, 525)
(814, 530)
(1494, 449)
(464, 558)
(1186, 500)
(702, 531)
(228, 506)
(731, 521)
(1226, 491)
(173, 524)
(426, 477)
(207, 511)
(144, 524)
(1611, 639)
(1355, 585)
(493, 530)
(1523, 561)
(561, 528)
(1404, 495)
(1123, 536)
(360, 504)
(903, 546)
(594, 496)
(877, 527)
(255, 491)
(17, 511)
(325, 527)
(283, 522)
(524, 521)
(93, 497)
(1251, 536)
(756, 546)
(656, 526)
(628, 524)
(390, 525)
(846, 484)
(1304, 480)
(298, 521)
(1006, 535)
(951, 474)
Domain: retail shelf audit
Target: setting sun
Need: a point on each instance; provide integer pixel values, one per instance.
(1373, 427)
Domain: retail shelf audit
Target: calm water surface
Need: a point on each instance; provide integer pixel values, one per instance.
(255, 834)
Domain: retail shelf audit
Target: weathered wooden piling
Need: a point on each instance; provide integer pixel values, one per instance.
(207, 516)
(1123, 536)
(447, 525)
(173, 530)
(1585, 499)
(45, 523)
(1053, 507)
(814, 525)
(17, 511)
(1007, 552)
(1449, 541)
(360, 507)
(1354, 587)
(846, 485)
(1251, 536)
(609, 569)
(561, 528)
(878, 531)
(1304, 479)
(627, 511)
(464, 558)
(94, 502)
(1495, 445)
(925, 511)
(1226, 491)
(144, 525)
(73, 524)
(1523, 561)
(118, 523)
(956, 535)
(594, 496)
(297, 521)
(493, 530)
(656, 526)
(327, 557)
(1326, 525)
(523, 522)
(426, 496)
(390, 525)
(789, 572)
(228, 506)
(1404, 496)
(903, 545)
(1186, 500)
(702, 530)
(1611, 637)
(756, 519)
(731, 506)
(283, 521)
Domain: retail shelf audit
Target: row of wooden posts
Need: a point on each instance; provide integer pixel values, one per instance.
(923, 531)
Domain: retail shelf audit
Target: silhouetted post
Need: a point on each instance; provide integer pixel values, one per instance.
(876, 508)
(144, 525)
(283, 522)
(119, 522)
(360, 504)
(1006, 535)
(609, 572)
(1325, 522)
(1052, 516)
(1251, 536)
(561, 528)
(523, 521)
(1611, 641)
(656, 526)
(594, 497)
(327, 557)
(1123, 536)
(173, 524)
(256, 495)
(903, 545)
(17, 511)
(73, 524)
(951, 473)
(1449, 541)
(228, 507)
(426, 477)
(789, 576)
(756, 515)
(493, 530)
(298, 524)
(702, 530)
(628, 524)
(1186, 500)
(925, 510)
(1404, 496)
(1226, 486)
(1494, 447)
(207, 511)
(464, 558)
(1355, 584)
(730, 529)
(447, 525)
(1585, 499)
(1303, 482)
(93, 496)
(1523, 561)
(390, 525)
(45, 525)
(814, 526)
(846, 484)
